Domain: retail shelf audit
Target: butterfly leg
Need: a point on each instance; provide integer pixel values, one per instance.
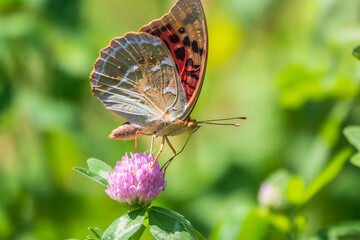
(157, 156)
(152, 143)
(173, 156)
(172, 148)
(136, 138)
(160, 151)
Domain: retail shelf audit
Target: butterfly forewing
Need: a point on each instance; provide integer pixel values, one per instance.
(136, 77)
(184, 32)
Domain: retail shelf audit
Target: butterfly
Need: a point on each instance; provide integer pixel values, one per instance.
(153, 77)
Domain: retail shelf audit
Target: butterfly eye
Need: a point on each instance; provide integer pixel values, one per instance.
(192, 126)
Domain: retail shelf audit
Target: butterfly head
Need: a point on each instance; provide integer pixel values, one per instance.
(192, 126)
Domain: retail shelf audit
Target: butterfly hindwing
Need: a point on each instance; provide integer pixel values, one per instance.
(136, 77)
(184, 32)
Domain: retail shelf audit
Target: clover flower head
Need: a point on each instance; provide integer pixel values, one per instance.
(133, 182)
(270, 195)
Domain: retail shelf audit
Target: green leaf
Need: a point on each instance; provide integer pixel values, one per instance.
(280, 221)
(93, 176)
(167, 224)
(125, 226)
(300, 222)
(344, 231)
(90, 237)
(99, 167)
(328, 174)
(96, 232)
(356, 160)
(295, 190)
(138, 233)
(255, 225)
(198, 234)
(356, 52)
(352, 134)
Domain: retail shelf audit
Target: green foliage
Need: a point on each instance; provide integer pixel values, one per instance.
(125, 226)
(97, 172)
(163, 224)
(295, 190)
(167, 224)
(346, 231)
(138, 233)
(97, 232)
(327, 175)
(356, 52)
(255, 226)
(352, 133)
(99, 167)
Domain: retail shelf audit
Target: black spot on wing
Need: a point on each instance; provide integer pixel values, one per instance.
(167, 44)
(192, 75)
(194, 46)
(181, 30)
(189, 63)
(180, 53)
(174, 38)
(156, 32)
(188, 84)
(166, 27)
(201, 51)
(186, 41)
(192, 71)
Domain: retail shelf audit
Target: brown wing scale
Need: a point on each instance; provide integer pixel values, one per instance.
(184, 32)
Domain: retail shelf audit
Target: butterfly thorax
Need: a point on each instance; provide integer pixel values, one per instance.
(160, 127)
(171, 128)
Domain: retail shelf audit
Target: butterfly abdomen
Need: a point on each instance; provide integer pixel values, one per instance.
(126, 131)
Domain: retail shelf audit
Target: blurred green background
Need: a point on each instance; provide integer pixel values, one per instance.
(284, 64)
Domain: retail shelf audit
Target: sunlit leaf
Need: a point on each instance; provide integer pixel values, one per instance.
(255, 225)
(280, 221)
(125, 226)
(356, 52)
(295, 93)
(167, 224)
(346, 231)
(301, 223)
(198, 234)
(328, 174)
(93, 176)
(89, 237)
(96, 232)
(99, 167)
(355, 160)
(352, 133)
(221, 52)
(295, 190)
(138, 233)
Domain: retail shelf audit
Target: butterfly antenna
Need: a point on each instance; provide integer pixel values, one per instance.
(214, 121)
